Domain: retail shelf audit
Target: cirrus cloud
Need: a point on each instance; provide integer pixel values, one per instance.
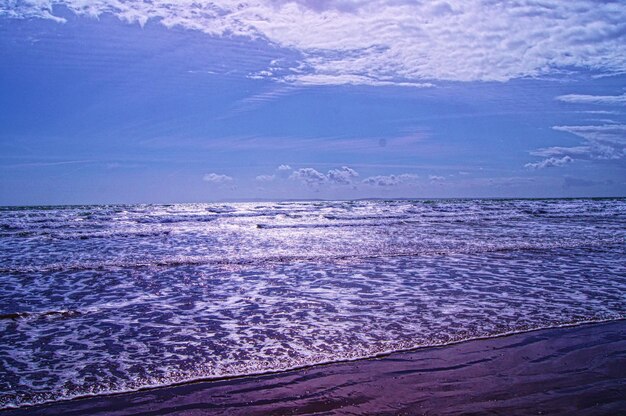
(593, 99)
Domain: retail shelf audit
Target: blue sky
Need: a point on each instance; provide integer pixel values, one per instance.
(166, 101)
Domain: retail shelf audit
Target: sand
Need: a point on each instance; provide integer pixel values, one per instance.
(575, 370)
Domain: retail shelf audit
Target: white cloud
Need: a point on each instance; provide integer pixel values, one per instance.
(593, 99)
(217, 178)
(435, 178)
(550, 163)
(599, 112)
(309, 176)
(314, 178)
(610, 133)
(576, 151)
(265, 178)
(284, 168)
(340, 79)
(343, 176)
(385, 42)
(606, 141)
(390, 180)
(600, 142)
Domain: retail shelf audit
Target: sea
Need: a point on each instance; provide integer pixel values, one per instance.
(104, 299)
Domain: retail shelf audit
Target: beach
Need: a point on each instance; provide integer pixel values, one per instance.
(312, 207)
(571, 370)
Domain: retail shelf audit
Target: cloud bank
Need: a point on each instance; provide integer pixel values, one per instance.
(391, 42)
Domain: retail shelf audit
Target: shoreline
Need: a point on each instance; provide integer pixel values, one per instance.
(303, 390)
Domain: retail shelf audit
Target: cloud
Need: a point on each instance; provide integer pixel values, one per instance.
(390, 42)
(599, 112)
(314, 178)
(283, 171)
(613, 133)
(549, 163)
(309, 176)
(576, 151)
(593, 99)
(47, 164)
(341, 79)
(600, 142)
(390, 180)
(217, 178)
(265, 178)
(435, 178)
(606, 141)
(343, 176)
(254, 101)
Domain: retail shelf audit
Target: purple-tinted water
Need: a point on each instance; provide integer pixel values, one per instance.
(102, 299)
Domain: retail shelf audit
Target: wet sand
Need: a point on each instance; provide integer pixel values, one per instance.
(576, 370)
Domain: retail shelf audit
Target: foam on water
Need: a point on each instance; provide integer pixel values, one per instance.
(102, 299)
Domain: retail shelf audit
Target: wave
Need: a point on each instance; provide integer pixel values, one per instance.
(175, 219)
(177, 261)
(86, 235)
(365, 217)
(37, 399)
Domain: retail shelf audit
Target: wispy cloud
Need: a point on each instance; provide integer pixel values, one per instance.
(600, 142)
(593, 99)
(607, 112)
(254, 101)
(576, 151)
(606, 141)
(403, 143)
(552, 162)
(48, 164)
(391, 42)
(342, 79)
(435, 178)
(265, 178)
(217, 178)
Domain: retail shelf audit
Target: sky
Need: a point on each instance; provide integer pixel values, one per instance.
(162, 101)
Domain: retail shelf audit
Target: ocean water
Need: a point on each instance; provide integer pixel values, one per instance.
(103, 299)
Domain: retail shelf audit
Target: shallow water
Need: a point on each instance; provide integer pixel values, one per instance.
(102, 299)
